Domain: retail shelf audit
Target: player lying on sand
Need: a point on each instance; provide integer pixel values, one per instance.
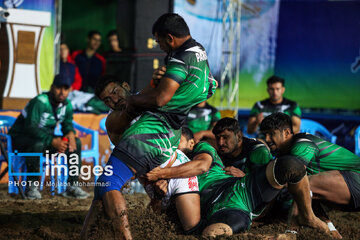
(229, 203)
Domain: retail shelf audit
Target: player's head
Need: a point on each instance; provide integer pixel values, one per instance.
(187, 141)
(167, 29)
(112, 37)
(228, 135)
(278, 131)
(112, 91)
(275, 88)
(61, 87)
(94, 40)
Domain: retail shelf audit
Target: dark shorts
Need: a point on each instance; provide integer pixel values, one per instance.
(121, 174)
(352, 180)
(238, 220)
(262, 192)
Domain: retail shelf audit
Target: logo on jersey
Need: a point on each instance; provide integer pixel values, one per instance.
(193, 184)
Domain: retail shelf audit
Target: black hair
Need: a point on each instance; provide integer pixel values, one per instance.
(188, 134)
(171, 23)
(279, 121)
(92, 33)
(103, 81)
(275, 79)
(230, 124)
(111, 33)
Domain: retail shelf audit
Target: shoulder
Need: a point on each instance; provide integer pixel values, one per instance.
(290, 102)
(204, 147)
(100, 57)
(41, 99)
(303, 140)
(76, 53)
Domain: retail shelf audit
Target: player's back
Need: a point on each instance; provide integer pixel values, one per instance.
(188, 66)
(320, 155)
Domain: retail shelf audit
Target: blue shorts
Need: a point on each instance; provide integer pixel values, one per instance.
(121, 175)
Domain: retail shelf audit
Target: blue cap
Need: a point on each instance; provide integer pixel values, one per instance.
(63, 80)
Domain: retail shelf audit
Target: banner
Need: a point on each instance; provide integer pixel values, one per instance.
(257, 42)
(318, 53)
(47, 48)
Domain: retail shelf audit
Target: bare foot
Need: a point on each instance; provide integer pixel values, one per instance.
(313, 223)
(333, 231)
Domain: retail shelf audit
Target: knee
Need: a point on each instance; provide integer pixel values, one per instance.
(289, 169)
(217, 229)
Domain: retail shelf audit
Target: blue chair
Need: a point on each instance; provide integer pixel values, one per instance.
(92, 152)
(357, 141)
(86, 153)
(317, 129)
(18, 163)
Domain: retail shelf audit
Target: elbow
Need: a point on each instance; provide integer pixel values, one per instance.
(202, 169)
(161, 101)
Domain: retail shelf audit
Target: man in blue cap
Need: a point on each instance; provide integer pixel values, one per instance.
(33, 131)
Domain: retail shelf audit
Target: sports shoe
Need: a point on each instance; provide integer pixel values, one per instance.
(75, 192)
(32, 192)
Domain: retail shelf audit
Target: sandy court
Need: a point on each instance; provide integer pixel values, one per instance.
(60, 218)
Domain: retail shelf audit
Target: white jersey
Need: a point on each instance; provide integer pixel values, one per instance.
(176, 186)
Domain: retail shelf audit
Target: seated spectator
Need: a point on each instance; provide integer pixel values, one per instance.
(201, 119)
(68, 67)
(275, 103)
(91, 64)
(33, 132)
(113, 40)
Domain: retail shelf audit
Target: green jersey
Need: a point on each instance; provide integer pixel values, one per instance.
(319, 155)
(237, 196)
(38, 119)
(216, 171)
(202, 118)
(188, 66)
(253, 154)
(287, 106)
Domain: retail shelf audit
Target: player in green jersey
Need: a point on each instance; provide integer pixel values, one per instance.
(334, 171)
(239, 154)
(275, 103)
(152, 139)
(229, 203)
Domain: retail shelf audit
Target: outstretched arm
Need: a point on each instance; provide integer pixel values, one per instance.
(199, 165)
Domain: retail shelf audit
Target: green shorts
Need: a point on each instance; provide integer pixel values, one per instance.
(148, 143)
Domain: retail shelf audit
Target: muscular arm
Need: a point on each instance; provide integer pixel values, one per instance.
(199, 165)
(296, 124)
(152, 98)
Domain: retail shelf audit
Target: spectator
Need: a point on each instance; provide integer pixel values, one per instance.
(68, 67)
(113, 40)
(33, 131)
(201, 119)
(91, 64)
(275, 103)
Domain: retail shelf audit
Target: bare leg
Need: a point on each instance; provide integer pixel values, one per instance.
(330, 186)
(115, 207)
(188, 209)
(217, 229)
(95, 208)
